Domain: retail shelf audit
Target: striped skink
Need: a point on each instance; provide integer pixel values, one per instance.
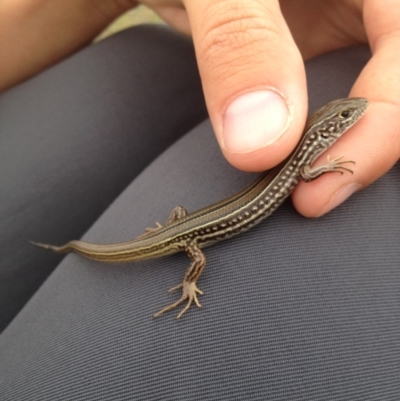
(190, 232)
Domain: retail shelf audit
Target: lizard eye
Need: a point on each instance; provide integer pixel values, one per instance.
(324, 135)
(345, 113)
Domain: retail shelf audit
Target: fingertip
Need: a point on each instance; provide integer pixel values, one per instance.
(260, 129)
(338, 197)
(321, 199)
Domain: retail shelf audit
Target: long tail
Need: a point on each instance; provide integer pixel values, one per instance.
(136, 249)
(59, 249)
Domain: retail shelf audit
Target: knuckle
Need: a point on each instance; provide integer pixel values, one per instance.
(235, 33)
(111, 9)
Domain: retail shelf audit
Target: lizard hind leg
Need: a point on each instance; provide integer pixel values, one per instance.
(188, 285)
(177, 213)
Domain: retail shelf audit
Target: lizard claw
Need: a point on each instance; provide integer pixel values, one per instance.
(189, 293)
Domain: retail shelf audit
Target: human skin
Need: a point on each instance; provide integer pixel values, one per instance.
(251, 56)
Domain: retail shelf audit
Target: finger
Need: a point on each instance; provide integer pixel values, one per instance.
(253, 79)
(374, 142)
(175, 16)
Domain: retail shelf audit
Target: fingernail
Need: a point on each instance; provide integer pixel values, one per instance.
(340, 196)
(255, 120)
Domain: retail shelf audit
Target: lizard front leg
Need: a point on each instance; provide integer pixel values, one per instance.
(188, 285)
(332, 166)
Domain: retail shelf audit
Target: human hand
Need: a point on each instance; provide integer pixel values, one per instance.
(252, 72)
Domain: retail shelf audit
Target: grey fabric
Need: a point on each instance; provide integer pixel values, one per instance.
(294, 309)
(74, 137)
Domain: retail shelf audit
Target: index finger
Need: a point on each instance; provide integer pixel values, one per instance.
(374, 143)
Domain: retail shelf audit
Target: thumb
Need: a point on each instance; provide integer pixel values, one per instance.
(253, 79)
